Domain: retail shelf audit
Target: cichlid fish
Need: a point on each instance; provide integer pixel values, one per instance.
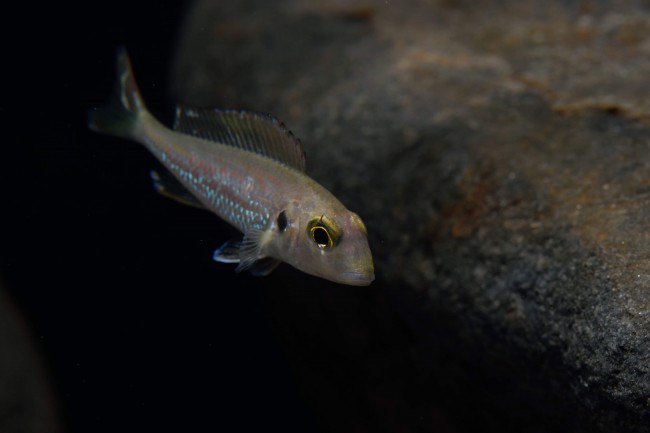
(249, 170)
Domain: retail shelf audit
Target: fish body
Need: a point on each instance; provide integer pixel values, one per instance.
(250, 171)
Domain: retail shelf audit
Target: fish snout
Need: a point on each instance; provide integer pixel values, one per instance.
(354, 278)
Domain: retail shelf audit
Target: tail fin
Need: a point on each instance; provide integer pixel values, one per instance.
(121, 116)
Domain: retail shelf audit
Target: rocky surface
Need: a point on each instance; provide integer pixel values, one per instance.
(26, 399)
(499, 153)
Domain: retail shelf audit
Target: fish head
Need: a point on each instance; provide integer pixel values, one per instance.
(330, 242)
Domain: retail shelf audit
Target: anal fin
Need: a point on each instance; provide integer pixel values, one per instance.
(166, 184)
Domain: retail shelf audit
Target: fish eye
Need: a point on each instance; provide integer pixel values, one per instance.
(321, 237)
(324, 232)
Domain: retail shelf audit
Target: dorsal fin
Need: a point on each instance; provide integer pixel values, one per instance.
(254, 132)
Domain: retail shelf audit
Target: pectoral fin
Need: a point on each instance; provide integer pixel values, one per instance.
(265, 266)
(248, 253)
(250, 249)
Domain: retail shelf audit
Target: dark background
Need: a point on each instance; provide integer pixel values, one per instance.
(139, 329)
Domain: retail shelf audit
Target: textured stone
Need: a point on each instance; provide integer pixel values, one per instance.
(499, 153)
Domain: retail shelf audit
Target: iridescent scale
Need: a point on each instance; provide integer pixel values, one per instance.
(224, 158)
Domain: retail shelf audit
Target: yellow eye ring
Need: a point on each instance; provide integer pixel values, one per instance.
(321, 236)
(324, 232)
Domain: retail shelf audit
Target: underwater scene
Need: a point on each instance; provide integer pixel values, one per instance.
(337, 216)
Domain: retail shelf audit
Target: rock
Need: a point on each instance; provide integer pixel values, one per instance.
(500, 155)
(26, 399)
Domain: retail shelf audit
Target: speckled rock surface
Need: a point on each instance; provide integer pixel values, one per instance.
(499, 153)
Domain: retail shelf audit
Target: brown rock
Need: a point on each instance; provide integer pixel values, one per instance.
(500, 155)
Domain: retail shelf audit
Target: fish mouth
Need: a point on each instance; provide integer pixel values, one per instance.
(356, 278)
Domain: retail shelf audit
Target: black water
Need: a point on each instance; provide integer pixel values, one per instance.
(138, 328)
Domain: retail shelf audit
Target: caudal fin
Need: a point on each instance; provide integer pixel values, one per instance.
(121, 116)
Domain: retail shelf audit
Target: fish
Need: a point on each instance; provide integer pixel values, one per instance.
(250, 170)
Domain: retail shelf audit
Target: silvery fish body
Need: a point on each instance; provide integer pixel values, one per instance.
(249, 170)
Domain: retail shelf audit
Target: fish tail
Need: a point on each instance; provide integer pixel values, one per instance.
(122, 115)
